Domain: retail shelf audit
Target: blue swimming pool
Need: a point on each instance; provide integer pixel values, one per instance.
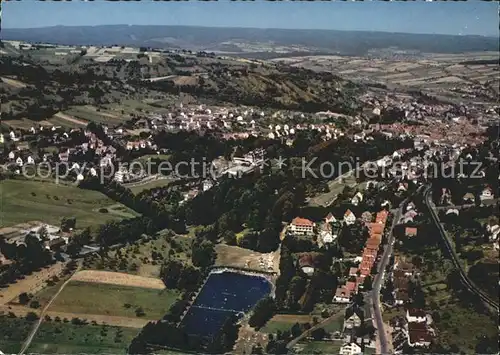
(223, 294)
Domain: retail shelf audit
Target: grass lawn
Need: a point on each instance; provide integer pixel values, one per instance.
(67, 338)
(337, 323)
(325, 347)
(150, 185)
(113, 300)
(24, 200)
(89, 113)
(335, 187)
(273, 326)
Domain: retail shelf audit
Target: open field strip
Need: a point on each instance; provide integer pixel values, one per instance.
(118, 278)
(25, 200)
(12, 82)
(70, 119)
(99, 299)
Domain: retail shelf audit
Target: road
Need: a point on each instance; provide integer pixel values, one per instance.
(451, 251)
(32, 334)
(379, 278)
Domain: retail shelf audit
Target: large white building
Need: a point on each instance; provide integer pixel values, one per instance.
(302, 226)
(350, 349)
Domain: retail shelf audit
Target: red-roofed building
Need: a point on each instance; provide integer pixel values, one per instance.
(410, 231)
(351, 286)
(342, 295)
(419, 335)
(302, 226)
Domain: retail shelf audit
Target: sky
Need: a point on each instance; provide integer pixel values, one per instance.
(472, 17)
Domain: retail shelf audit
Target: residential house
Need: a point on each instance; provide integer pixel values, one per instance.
(353, 317)
(207, 184)
(302, 226)
(419, 335)
(451, 211)
(19, 161)
(330, 218)
(494, 230)
(357, 199)
(401, 297)
(12, 155)
(469, 198)
(350, 349)
(411, 231)
(407, 267)
(326, 234)
(342, 295)
(366, 217)
(486, 194)
(349, 217)
(402, 187)
(306, 263)
(353, 271)
(415, 315)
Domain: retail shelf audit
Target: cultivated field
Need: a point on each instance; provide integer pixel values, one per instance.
(118, 278)
(433, 72)
(92, 298)
(25, 200)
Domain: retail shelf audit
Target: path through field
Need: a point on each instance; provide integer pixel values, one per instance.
(40, 320)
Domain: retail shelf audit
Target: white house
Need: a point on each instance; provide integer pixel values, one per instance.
(30, 160)
(357, 199)
(452, 211)
(12, 155)
(207, 185)
(350, 349)
(330, 218)
(494, 230)
(19, 161)
(326, 233)
(302, 226)
(349, 217)
(415, 315)
(352, 321)
(487, 194)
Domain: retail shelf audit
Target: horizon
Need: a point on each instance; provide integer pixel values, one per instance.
(471, 18)
(254, 28)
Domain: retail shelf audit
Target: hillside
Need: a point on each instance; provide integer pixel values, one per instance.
(36, 89)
